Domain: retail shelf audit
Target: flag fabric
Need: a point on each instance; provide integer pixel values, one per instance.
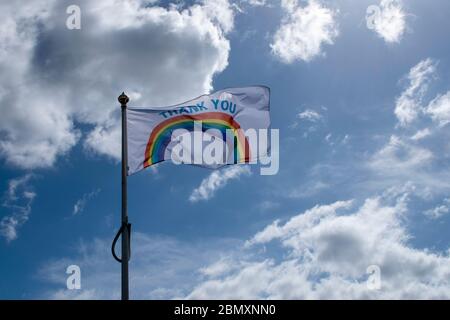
(154, 134)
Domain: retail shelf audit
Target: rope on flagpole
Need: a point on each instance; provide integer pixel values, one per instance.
(113, 247)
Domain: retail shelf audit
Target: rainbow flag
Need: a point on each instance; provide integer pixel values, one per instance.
(218, 125)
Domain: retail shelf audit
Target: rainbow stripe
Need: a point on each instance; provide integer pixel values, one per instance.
(162, 134)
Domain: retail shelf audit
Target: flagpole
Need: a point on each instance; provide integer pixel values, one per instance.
(123, 99)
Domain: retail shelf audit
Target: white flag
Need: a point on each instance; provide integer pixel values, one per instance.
(211, 130)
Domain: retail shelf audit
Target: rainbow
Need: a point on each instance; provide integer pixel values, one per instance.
(161, 135)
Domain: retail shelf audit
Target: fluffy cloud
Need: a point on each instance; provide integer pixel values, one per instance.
(416, 154)
(327, 252)
(400, 156)
(303, 31)
(439, 109)
(310, 115)
(409, 104)
(217, 180)
(388, 20)
(440, 210)
(257, 3)
(35, 126)
(421, 134)
(322, 253)
(53, 78)
(309, 121)
(403, 161)
(17, 201)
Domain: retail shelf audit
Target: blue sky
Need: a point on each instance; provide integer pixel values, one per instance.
(363, 116)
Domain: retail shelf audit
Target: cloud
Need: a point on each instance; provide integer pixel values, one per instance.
(325, 255)
(17, 201)
(257, 3)
(439, 109)
(332, 141)
(310, 115)
(221, 12)
(81, 203)
(408, 157)
(310, 121)
(309, 188)
(421, 134)
(55, 81)
(404, 161)
(416, 154)
(303, 31)
(389, 20)
(409, 105)
(160, 268)
(322, 253)
(217, 180)
(400, 156)
(34, 125)
(222, 266)
(318, 180)
(268, 205)
(307, 219)
(439, 211)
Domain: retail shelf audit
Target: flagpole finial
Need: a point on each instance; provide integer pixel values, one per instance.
(123, 99)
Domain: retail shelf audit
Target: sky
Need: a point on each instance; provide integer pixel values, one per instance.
(360, 91)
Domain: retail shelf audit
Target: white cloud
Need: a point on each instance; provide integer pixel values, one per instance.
(309, 188)
(257, 3)
(105, 139)
(440, 210)
(312, 120)
(310, 115)
(407, 157)
(17, 200)
(53, 78)
(79, 206)
(405, 161)
(303, 31)
(322, 253)
(399, 156)
(326, 252)
(403, 158)
(217, 180)
(409, 104)
(439, 109)
(303, 221)
(421, 134)
(221, 267)
(220, 11)
(389, 21)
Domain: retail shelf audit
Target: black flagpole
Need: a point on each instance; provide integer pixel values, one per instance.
(123, 99)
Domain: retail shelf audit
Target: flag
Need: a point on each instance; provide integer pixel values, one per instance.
(220, 121)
